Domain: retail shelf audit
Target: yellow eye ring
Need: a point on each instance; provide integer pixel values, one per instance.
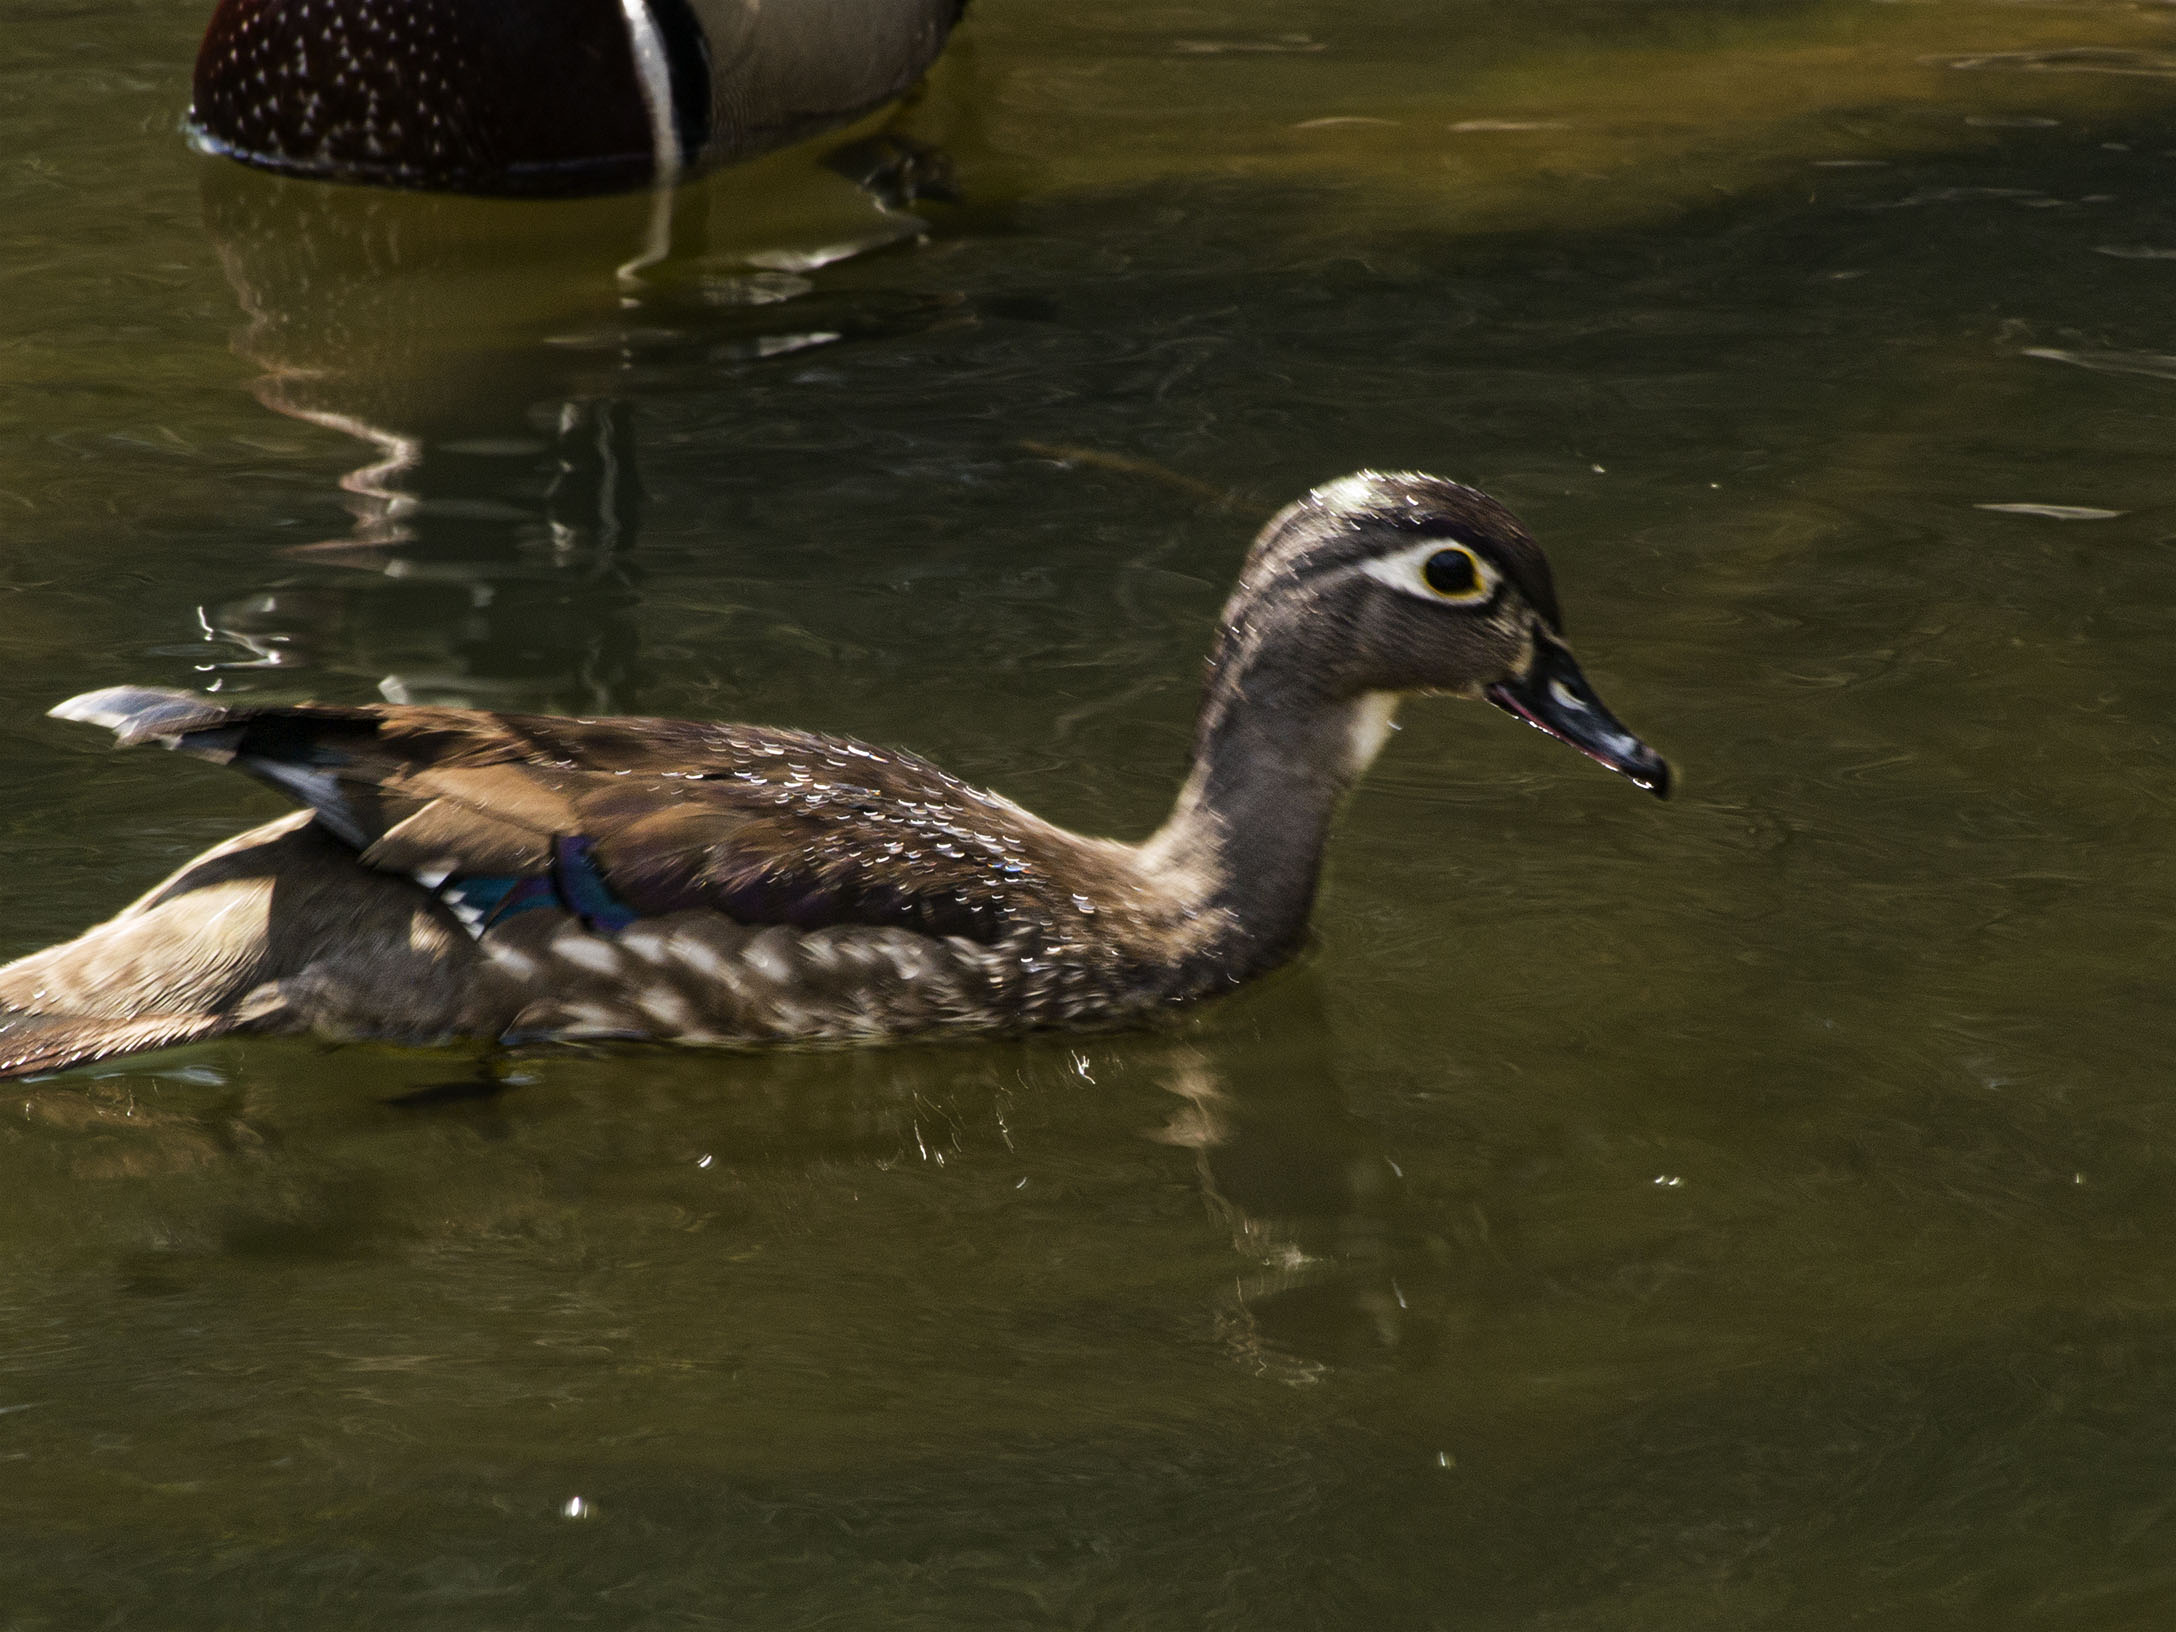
(1454, 573)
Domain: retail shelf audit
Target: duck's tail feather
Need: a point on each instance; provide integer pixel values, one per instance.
(137, 714)
(32, 1043)
(178, 964)
(274, 743)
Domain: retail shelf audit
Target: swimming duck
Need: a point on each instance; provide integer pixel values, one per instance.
(519, 878)
(544, 97)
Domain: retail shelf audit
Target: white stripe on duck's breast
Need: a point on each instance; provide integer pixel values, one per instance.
(653, 73)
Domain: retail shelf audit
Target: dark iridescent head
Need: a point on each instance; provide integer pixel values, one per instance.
(1395, 583)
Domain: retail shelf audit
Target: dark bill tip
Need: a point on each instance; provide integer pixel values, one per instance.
(1553, 696)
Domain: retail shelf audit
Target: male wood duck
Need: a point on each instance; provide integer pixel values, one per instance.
(544, 97)
(523, 878)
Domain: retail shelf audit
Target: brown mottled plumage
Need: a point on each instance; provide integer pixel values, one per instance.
(519, 877)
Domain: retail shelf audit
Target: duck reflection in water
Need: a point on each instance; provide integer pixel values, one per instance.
(1332, 1270)
(485, 354)
(1310, 1195)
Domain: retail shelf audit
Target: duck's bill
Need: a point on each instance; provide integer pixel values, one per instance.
(1554, 696)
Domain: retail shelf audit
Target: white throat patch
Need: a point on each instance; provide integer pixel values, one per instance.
(1374, 717)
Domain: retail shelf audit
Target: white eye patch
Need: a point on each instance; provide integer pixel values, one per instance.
(1441, 570)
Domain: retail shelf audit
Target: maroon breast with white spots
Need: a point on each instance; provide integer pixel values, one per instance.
(489, 96)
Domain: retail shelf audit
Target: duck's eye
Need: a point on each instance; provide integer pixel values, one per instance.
(1454, 574)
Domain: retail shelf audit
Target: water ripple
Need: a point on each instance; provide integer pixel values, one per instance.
(2153, 364)
(2082, 59)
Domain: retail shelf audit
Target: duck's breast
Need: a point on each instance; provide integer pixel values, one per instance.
(544, 97)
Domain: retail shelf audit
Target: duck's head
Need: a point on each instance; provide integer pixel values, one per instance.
(1378, 585)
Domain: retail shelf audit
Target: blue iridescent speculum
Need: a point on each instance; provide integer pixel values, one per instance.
(575, 885)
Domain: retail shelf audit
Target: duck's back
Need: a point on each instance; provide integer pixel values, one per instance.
(540, 876)
(766, 827)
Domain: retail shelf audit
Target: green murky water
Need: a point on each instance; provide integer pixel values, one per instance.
(1755, 1211)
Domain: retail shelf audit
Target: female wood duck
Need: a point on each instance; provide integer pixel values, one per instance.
(544, 97)
(529, 878)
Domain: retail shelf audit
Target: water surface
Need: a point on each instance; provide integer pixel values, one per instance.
(1746, 1212)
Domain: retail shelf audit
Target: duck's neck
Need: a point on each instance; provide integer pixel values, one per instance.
(1243, 846)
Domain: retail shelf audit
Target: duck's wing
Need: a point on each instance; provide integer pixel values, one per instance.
(617, 819)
